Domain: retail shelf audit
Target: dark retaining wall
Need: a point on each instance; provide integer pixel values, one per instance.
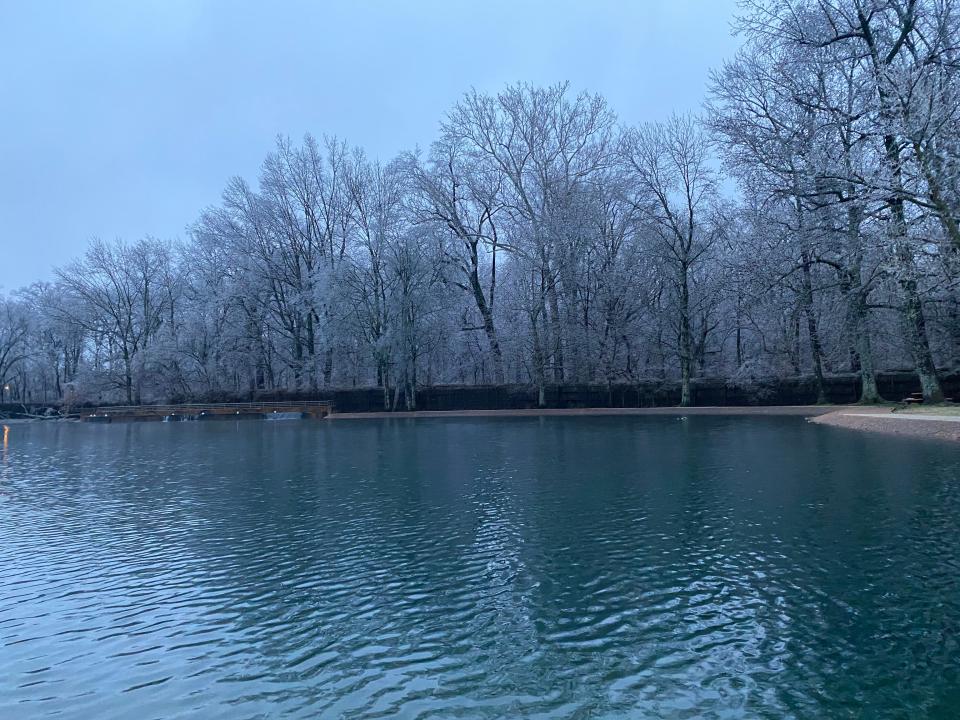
(651, 393)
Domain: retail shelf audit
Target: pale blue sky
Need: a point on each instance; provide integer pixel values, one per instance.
(124, 118)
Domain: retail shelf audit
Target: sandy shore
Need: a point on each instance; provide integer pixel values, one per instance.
(796, 410)
(884, 420)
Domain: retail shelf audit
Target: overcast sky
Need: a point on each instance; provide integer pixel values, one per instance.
(123, 119)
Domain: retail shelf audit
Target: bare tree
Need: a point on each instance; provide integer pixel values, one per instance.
(676, 189)
(14, 329)
(114, 294)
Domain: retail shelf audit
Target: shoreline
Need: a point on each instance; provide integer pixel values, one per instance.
(861, 418)
(772, 410)
(883, 421)
(673, 410)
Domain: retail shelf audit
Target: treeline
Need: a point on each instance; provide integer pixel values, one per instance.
(540, 241)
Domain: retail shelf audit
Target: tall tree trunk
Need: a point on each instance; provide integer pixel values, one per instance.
(911, 309)
(486, 315)
(945, 213)
(795, 345)
(858, 310)
(311, 350)
(328, 367)
(685, 337)
(953, 321)
(384, 380)
(806, 295)
(539, 363)
(859, 324)
(739, 344)
(557, 333)
(916, 328)
(816, 350)
(912, 305)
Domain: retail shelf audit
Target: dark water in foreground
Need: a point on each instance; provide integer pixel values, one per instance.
(557, 567)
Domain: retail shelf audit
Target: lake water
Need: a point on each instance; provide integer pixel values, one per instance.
(718, 567)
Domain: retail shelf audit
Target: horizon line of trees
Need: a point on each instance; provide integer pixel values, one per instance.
(540, 241)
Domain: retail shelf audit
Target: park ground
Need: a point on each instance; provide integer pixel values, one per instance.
(937, 422)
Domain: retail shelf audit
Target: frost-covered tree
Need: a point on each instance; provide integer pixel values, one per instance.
(809, 226)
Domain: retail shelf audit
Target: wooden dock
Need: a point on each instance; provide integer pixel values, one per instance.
(313, 409)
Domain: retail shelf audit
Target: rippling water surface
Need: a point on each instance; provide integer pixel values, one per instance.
(473, 568)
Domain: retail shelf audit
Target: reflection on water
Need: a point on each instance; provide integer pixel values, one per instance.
(3, 453)
(555, 567)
